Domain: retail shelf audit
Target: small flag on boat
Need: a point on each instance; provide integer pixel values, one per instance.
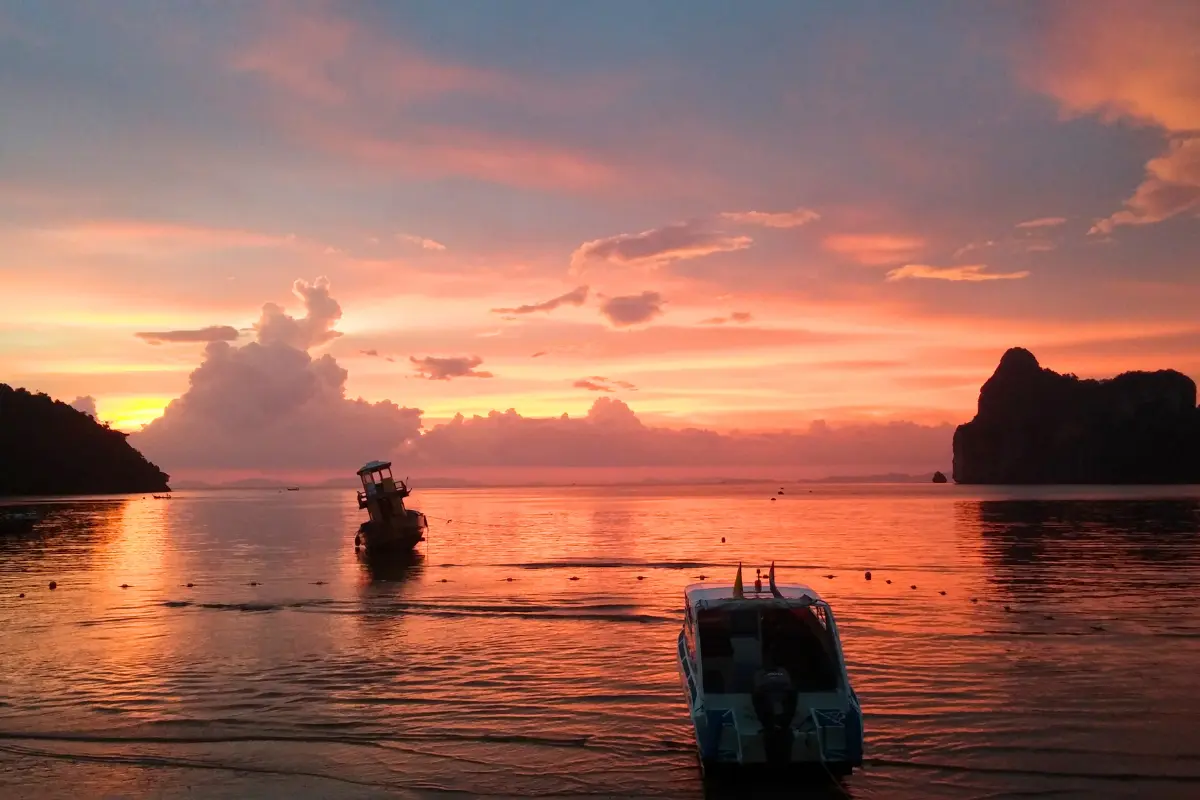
(737, 583)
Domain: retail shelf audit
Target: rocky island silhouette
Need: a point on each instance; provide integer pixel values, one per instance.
(1036, 426)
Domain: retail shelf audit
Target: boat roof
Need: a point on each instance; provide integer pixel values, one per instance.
(371, 466)
(716, 594)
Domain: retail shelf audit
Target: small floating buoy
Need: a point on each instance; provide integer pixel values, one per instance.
(444, 580)
(641, 577)
(1097, 627)
(318, 583)
(53, 585)
(1008, 609)
(942, 593)
(772, 499)
(974, 599)
(22, 594)
(722, 540)
(254, 583)
(701, 577)
(829, 577)
(190, 585)
(889, 580)
(867, 575)
(913, 586)
(508, 579)
(781, 491)
(1048, 616)
(124, 585)
(573, 578)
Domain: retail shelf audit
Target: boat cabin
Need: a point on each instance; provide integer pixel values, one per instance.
(377, 481)
(736, 640)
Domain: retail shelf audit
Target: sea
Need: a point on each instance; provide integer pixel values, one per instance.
(1011, 642)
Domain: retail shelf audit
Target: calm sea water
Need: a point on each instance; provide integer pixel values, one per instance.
(1029, 643)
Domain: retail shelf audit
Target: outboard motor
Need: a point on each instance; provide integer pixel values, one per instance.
(774, 700)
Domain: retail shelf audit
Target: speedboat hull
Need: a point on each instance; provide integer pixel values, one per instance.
(790, 711)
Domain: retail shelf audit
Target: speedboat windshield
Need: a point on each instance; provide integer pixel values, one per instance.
(739, 643)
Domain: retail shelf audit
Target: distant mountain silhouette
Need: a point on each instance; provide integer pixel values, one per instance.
(48, 447)
(1035, 426)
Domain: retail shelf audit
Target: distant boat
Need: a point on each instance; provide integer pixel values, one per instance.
(161, 496)
(392, 527)
(765, 679)
(18, 521)
(293, 488)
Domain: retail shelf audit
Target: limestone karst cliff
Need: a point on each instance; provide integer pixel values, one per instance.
(1035, 426)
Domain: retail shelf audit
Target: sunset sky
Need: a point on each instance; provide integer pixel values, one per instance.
(731, 216)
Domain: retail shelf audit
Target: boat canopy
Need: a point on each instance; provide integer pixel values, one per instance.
(710, 595)
(374, 466)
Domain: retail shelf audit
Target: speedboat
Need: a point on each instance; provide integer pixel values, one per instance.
(765, 679)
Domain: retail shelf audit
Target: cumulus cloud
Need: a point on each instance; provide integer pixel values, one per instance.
(270, 405)
(611, 435)
(322, 313)
(213, 333)
(657, 247)
(1042, 222)
(873, 249)
(575, 297)
(86, 404)
(420, 241)
(1132, 62)
(599, 383)
(435, 368)
(972, 272)
(632, 309)
(773, 219)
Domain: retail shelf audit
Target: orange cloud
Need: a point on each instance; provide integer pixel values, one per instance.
(1136, 62)
(1171, 187)
(657, 247)
(874, 250)
(773, 219)
(973, 272)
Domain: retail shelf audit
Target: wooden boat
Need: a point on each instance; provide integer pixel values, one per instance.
(392, 527)
(765, 679)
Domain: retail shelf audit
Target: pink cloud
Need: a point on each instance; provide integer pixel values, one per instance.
(269, 405)
(972, 272)
(575, 297)
(435, 368)
(773, 219)
(632, 309)
(656, 247)
(1171, 187)
(873, 249)
(598, 383)
(85, 404)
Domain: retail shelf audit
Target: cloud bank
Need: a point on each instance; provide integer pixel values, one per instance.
(270, 405)
(611, 435)
(773, 219)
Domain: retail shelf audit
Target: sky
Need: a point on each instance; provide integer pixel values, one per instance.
(295, 236)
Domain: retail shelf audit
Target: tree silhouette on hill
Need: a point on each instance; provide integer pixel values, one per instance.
(47, 447)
